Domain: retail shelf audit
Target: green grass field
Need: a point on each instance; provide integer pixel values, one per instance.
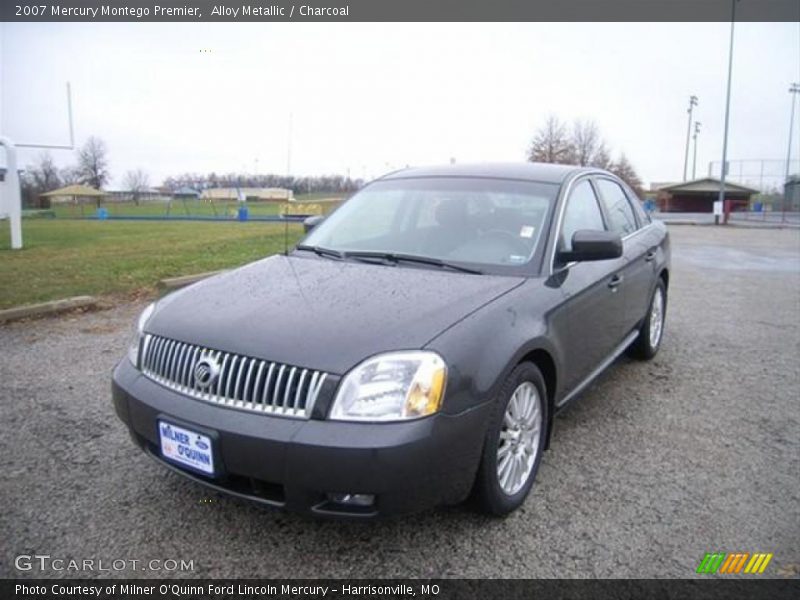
(64, 258)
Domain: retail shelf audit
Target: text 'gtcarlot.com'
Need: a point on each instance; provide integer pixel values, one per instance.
(46, 562)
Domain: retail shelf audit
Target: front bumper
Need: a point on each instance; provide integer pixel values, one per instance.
(294, 464)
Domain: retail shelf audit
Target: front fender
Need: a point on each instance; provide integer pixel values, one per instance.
(482, 349)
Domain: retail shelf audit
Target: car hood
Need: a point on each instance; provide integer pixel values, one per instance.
(319, 313)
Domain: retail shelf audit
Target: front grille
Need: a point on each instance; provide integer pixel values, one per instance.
(242, 382)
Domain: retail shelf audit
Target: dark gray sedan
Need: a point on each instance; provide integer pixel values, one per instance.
(411, 351)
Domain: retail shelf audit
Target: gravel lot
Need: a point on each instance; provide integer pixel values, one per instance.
(655, 465)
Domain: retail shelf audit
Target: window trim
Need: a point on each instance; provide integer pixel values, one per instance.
(625, 195)
(603, 217)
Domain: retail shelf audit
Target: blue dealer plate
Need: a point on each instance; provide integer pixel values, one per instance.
(186, 447)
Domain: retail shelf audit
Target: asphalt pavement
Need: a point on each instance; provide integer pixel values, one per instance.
(655, 465)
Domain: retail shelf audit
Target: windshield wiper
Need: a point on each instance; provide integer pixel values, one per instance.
(320, 251)
(413, 258)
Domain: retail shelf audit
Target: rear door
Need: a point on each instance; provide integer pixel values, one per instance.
(593, 309)
(638, 251)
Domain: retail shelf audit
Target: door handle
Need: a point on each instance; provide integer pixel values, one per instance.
(615, 281)
(650, 256)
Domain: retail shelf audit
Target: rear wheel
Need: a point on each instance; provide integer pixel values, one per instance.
(646, 345)
(514, 442)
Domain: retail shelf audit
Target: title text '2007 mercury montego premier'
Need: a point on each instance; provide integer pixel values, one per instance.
(411, 351)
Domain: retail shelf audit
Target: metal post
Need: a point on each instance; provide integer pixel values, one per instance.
(694, 160)
(692, 104)
(793, 89)
(289, 149)
(11, 193)
(727, 109)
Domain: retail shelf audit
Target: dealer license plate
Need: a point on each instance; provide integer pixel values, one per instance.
(186, 447)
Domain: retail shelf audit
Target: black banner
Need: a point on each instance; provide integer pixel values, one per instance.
(439, 589)
(398, 10)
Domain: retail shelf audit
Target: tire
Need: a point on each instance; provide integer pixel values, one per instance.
(498, 490)
(647, 343)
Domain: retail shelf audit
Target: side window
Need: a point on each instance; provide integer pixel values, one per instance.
(638, 207)
(620, 212)
(581, 212)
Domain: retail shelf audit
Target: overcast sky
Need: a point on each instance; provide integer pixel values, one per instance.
(371, 97)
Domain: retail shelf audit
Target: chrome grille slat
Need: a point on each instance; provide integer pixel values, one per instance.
(176, 361)
(246, 391)
(288, 388)
(296, 400)
(159, 354)
(243, 382)
(230, 376)
(276, 391)
(180, 368)
(258, 379)
(264, 402)
(223, 372)
(239, 372)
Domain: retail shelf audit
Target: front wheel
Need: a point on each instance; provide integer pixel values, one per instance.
(646, 345)
(514, 442)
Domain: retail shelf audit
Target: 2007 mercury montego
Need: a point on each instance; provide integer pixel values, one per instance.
(412, 350)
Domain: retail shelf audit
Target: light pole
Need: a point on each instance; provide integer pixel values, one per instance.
(697, 125)
(721, 198)
(793, 89)
(692, 104)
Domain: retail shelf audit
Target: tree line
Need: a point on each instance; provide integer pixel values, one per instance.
(92, 168)
(554, 142)
(581, 144)
(298, 184)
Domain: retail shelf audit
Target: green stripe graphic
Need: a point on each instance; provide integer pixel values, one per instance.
(711, 562)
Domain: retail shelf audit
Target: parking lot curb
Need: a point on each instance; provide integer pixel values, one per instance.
(46, 308)
(173, 283)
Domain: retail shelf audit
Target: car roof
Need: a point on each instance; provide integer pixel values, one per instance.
(542, 172)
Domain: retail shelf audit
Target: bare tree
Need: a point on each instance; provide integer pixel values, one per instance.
(70, 175)
(623, 169)
(137, 182)
(601, 158)
(551, 144)
(93, 163)
(40, 177)
(587, 143)
(44, 173)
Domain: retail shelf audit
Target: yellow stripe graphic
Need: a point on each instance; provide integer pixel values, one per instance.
(758, 563)
(765, 563)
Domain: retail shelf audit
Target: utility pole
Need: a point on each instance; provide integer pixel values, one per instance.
(697, 125)
(289, 148)
(692, 104)
(794, 89)
(727, 110)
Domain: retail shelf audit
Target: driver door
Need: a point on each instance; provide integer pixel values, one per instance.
(591, 317)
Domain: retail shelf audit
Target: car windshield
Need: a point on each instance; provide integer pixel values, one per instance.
(453, 220)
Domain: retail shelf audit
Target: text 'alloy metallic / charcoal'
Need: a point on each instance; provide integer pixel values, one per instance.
(231, 379)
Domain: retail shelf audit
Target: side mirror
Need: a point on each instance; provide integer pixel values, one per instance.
(310, 222)
(588, 244)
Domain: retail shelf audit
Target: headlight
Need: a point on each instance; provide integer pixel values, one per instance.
(136, 338)
(392, 387)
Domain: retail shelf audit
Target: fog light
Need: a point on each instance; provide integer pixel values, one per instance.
(352, 499)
